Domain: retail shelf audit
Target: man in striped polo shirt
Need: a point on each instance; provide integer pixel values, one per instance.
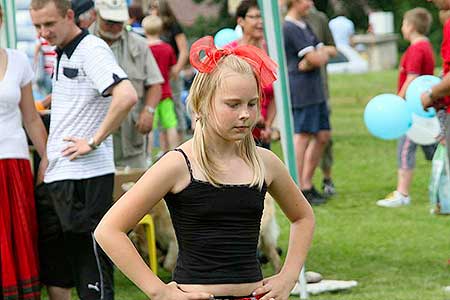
(80, 176)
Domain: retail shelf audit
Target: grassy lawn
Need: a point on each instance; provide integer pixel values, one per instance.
(393, 253)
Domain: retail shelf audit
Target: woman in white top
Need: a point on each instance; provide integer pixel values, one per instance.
(19, 278)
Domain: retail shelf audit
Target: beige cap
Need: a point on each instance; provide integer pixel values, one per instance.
(112, 10)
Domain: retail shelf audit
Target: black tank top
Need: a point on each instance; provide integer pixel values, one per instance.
(217, 230)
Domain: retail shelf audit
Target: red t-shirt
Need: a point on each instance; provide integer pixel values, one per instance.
(445, 47)
(445, 54)
(165, 58)
(418, 59)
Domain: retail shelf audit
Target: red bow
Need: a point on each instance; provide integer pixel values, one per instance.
(261, 63)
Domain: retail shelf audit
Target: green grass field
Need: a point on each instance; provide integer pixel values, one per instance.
(394, 254)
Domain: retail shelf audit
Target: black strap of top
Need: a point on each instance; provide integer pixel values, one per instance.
(188, 163)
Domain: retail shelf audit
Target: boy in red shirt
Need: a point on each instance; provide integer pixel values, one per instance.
(165, 58)
(417, 60)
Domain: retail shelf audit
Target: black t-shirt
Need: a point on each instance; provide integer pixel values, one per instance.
(169, 35)
(306, 86)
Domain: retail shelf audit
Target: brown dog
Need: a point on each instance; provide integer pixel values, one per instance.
(164, 234)
(269, 233)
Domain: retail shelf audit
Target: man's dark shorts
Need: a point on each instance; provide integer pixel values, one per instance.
(311, 119)
(68, 212)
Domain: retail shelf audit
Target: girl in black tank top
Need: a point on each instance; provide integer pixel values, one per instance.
(214, 186)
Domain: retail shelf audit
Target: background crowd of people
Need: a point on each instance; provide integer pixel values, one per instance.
(114, 74)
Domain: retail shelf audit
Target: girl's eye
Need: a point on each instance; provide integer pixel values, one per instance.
(252, 104)
(232, 105)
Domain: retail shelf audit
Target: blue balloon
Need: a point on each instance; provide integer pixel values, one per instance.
(416, 88)
(387, 116)
(225, 36)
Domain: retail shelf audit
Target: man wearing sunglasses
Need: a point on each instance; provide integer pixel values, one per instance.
(133, 55)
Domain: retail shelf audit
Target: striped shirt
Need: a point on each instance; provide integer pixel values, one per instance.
(85, 71)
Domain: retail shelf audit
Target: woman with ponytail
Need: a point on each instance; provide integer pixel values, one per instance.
(214, 186)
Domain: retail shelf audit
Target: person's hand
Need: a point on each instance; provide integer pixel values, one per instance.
(304, 66)
(266, 134)
(47, 102)
(41, 170)
(171, 292)
(174, 73)
(276, 287)
(76, 148)
(145, 123)
(426, 101)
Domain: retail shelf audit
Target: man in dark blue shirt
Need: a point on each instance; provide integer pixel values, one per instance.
(305, 55)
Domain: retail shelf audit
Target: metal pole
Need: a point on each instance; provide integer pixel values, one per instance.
(275, 44)
(8, 31)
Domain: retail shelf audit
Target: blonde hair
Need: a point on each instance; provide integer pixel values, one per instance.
(420, 19)
(201, 101)
(152, 25)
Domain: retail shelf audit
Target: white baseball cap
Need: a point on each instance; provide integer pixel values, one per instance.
(112, 10)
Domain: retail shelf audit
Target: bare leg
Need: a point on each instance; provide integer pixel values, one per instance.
(326, 173)
(173, 140)
(58, 293)
(327, 160)
(163, 140)
(150, 143)
(404, 180)
(301, 141)
(312, 156)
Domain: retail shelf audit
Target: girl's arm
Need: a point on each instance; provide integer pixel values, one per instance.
(183, 55)
(300, 214)
(35, 128)
(166, 175)
(271, 113)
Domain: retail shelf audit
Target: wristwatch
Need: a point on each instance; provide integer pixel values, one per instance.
(92, 144)
(149, 109)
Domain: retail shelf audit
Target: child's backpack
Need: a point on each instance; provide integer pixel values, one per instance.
(440, 182)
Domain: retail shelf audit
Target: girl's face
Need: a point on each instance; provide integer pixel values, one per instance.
(252, 24)
(235, 106)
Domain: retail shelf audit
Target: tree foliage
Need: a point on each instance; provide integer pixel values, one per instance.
(357, 11)
(358, 14)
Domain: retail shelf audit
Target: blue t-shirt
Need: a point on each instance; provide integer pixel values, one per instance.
(306, 87)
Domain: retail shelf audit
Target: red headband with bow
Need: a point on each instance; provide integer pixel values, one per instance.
(261, 63)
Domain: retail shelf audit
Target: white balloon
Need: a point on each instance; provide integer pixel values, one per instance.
(424, 131)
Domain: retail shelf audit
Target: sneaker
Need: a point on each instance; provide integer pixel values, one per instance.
(313, 196)
(328, 187)
(394, 199)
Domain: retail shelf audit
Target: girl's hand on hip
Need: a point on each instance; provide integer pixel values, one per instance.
(276, 287)
(172, 292)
